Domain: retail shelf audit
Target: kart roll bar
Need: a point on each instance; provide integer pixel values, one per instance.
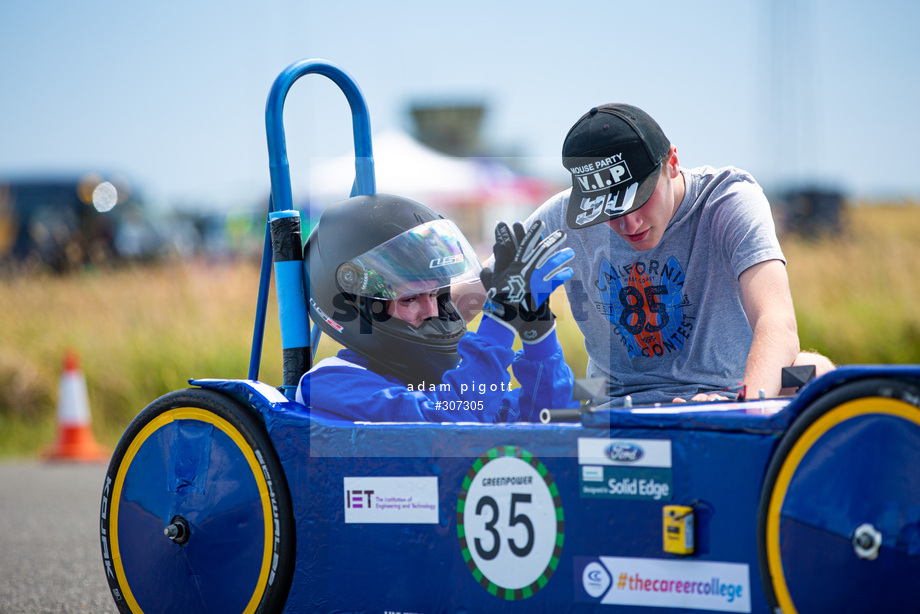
(283, 243)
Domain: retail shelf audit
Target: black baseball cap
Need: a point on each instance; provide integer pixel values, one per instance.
(614, 153)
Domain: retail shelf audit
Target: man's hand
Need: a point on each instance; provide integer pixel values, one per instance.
(738, 392)
(702, 397)
(526, 270)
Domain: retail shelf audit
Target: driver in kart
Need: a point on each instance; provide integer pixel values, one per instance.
(380, 270)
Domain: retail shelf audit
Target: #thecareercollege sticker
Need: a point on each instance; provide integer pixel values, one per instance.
(510, 523)
(666, 583)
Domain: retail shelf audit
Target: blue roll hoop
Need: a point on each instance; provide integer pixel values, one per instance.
(281, 193)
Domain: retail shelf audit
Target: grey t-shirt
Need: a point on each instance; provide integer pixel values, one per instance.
(669, 322)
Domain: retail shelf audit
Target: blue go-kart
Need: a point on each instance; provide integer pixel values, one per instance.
(228, 496)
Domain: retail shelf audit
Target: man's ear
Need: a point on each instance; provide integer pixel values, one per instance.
(673, 163)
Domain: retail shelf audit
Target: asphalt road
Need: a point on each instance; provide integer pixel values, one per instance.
(50, 556)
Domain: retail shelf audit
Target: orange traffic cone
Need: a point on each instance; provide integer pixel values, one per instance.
(75, 441)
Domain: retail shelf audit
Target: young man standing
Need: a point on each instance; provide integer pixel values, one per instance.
(680, 287)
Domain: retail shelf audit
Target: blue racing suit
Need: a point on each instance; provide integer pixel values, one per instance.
(477, 390)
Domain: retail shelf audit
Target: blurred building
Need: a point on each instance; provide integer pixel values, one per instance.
(499, 189)
(453, 129)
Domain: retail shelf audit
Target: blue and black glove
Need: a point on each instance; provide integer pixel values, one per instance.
(526, 270)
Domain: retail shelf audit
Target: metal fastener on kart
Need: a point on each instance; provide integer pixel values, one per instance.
(177, 530)
(867, 540)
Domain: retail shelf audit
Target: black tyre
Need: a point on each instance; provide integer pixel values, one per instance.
(196, 514)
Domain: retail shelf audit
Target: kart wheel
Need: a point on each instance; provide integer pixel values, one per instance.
(196, 515)
(839, 514)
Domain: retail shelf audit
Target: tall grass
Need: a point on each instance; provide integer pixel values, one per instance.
(144, 331)
(857, 294)
(139, 332)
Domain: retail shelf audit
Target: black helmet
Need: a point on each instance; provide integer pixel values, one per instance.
(367, 250)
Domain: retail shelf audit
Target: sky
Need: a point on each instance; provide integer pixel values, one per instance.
(172, 94)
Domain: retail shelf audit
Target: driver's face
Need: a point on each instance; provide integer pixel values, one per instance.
(415, 308)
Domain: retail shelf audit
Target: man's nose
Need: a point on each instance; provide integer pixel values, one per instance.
(629, 224)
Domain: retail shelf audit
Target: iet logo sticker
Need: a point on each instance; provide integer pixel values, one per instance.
(391, 500)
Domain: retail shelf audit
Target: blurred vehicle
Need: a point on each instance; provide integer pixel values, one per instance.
(215, 235)
(63, 223)
(810, 211)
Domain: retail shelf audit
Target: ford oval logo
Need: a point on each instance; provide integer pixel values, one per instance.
(624, 452)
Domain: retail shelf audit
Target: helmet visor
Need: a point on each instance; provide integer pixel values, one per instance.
(424, 258)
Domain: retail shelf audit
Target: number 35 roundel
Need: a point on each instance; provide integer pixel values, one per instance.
(510, 523)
